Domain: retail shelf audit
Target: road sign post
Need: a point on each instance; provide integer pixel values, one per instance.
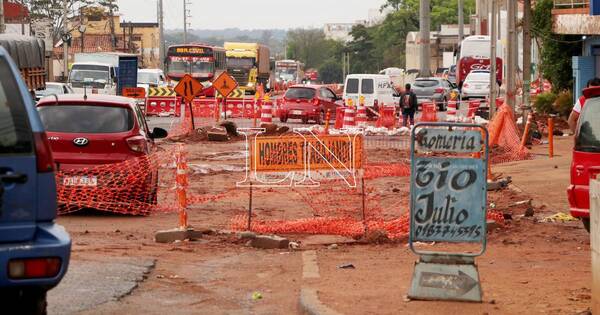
(225, 84)
(448, 204)
(188, 88)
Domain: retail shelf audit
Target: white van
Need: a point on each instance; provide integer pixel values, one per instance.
(375, 88)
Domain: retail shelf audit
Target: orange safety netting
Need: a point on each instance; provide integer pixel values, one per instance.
(129, 187)
(505, 143)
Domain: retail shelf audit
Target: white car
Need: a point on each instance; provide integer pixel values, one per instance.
(476, 85)
(53, 88)
(376, 89)
(148, 78)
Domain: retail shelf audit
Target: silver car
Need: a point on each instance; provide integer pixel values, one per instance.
(433, 89)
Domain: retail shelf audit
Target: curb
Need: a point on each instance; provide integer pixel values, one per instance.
(309, 303)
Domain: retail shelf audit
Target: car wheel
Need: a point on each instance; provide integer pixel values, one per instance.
(25, 301)
(320, 118)
(586, 224)
(443, 105)
(283, 119)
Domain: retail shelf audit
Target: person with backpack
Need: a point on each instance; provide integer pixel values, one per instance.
(408, 105)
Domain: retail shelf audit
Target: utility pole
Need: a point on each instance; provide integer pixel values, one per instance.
(424, 25)
(113, 37)
(526, 56)
(461, 21)
(493, 70)
(2, 25)
(65, 42)
(512, 58)
(185, 24)
(161, 35)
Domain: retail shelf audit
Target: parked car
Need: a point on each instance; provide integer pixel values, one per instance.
(87, 131)
(585, 164)
(56, 88)
(34, 250)
(309, 102)
(435, 90)
(476, 85)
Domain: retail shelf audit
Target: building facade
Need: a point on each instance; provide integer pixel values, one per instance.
(580, 17)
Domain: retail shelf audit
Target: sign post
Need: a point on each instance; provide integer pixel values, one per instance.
(188, 88)
(225, 84)
(448, 204)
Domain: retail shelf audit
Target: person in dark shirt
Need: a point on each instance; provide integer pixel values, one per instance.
(408, 106)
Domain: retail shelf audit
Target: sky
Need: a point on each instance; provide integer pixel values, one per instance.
(250, 14)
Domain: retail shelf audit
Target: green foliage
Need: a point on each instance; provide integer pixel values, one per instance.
(555, 50)
(544, 103)
(564, 103)
(331, 71)
(54, 9)
(311, 47)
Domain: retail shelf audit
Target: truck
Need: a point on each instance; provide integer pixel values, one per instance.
(249, 64)
(28, 54)
(103, 73)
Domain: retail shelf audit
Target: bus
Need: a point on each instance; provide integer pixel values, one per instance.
(475, 54)
(204, 63)
(289, 71)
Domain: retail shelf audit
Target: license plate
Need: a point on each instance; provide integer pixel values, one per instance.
(84, 181)
(297, 112)
(479, 86)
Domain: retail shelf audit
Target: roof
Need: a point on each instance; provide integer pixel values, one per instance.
(15, 11)
(139, 24)
(310, 86)
(428, 79)
(92, 43)
(99, 98)
(369, 76)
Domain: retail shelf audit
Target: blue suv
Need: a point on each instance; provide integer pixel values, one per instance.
(34, 250)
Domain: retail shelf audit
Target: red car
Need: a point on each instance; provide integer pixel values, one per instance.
(85, 132)
(586, 156)
(309, 102)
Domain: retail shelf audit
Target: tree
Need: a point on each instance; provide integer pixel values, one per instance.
(311, 47)
(555, 50)
(54, 10)
(331, 71)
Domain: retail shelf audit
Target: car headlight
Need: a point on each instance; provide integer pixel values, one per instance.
(250, 84)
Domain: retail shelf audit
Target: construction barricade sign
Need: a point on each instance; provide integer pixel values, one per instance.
(448, 204)
(299, 152)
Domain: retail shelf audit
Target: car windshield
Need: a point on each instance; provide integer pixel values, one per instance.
(86, 119)
(148, 78)
(202, 67)
(82, 75)
(300, 93)
(426, 83)
(588, 133)
(240, 62)
(352, 87)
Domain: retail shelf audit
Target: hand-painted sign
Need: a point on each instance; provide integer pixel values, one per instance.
(295, 153)
(448, 200)
(448, 204)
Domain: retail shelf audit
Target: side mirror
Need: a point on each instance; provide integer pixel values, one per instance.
(158, 133)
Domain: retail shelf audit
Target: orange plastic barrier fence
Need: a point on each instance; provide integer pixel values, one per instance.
(429, 112)
(505, 142)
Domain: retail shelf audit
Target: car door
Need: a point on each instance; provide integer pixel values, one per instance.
(18, 166)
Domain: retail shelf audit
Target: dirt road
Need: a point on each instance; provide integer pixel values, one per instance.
(530, 266)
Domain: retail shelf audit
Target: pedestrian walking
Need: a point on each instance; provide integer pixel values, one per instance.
(408, 105)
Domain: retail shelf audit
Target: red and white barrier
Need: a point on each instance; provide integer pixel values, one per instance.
(349, 118)
(266, 115)
(451, 111)
(361, 116)
(162, 106)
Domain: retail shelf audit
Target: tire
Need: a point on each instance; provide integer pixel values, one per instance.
(30, 301)
(586, 224)
(283, 119)
(320, 119)
(444, 105)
